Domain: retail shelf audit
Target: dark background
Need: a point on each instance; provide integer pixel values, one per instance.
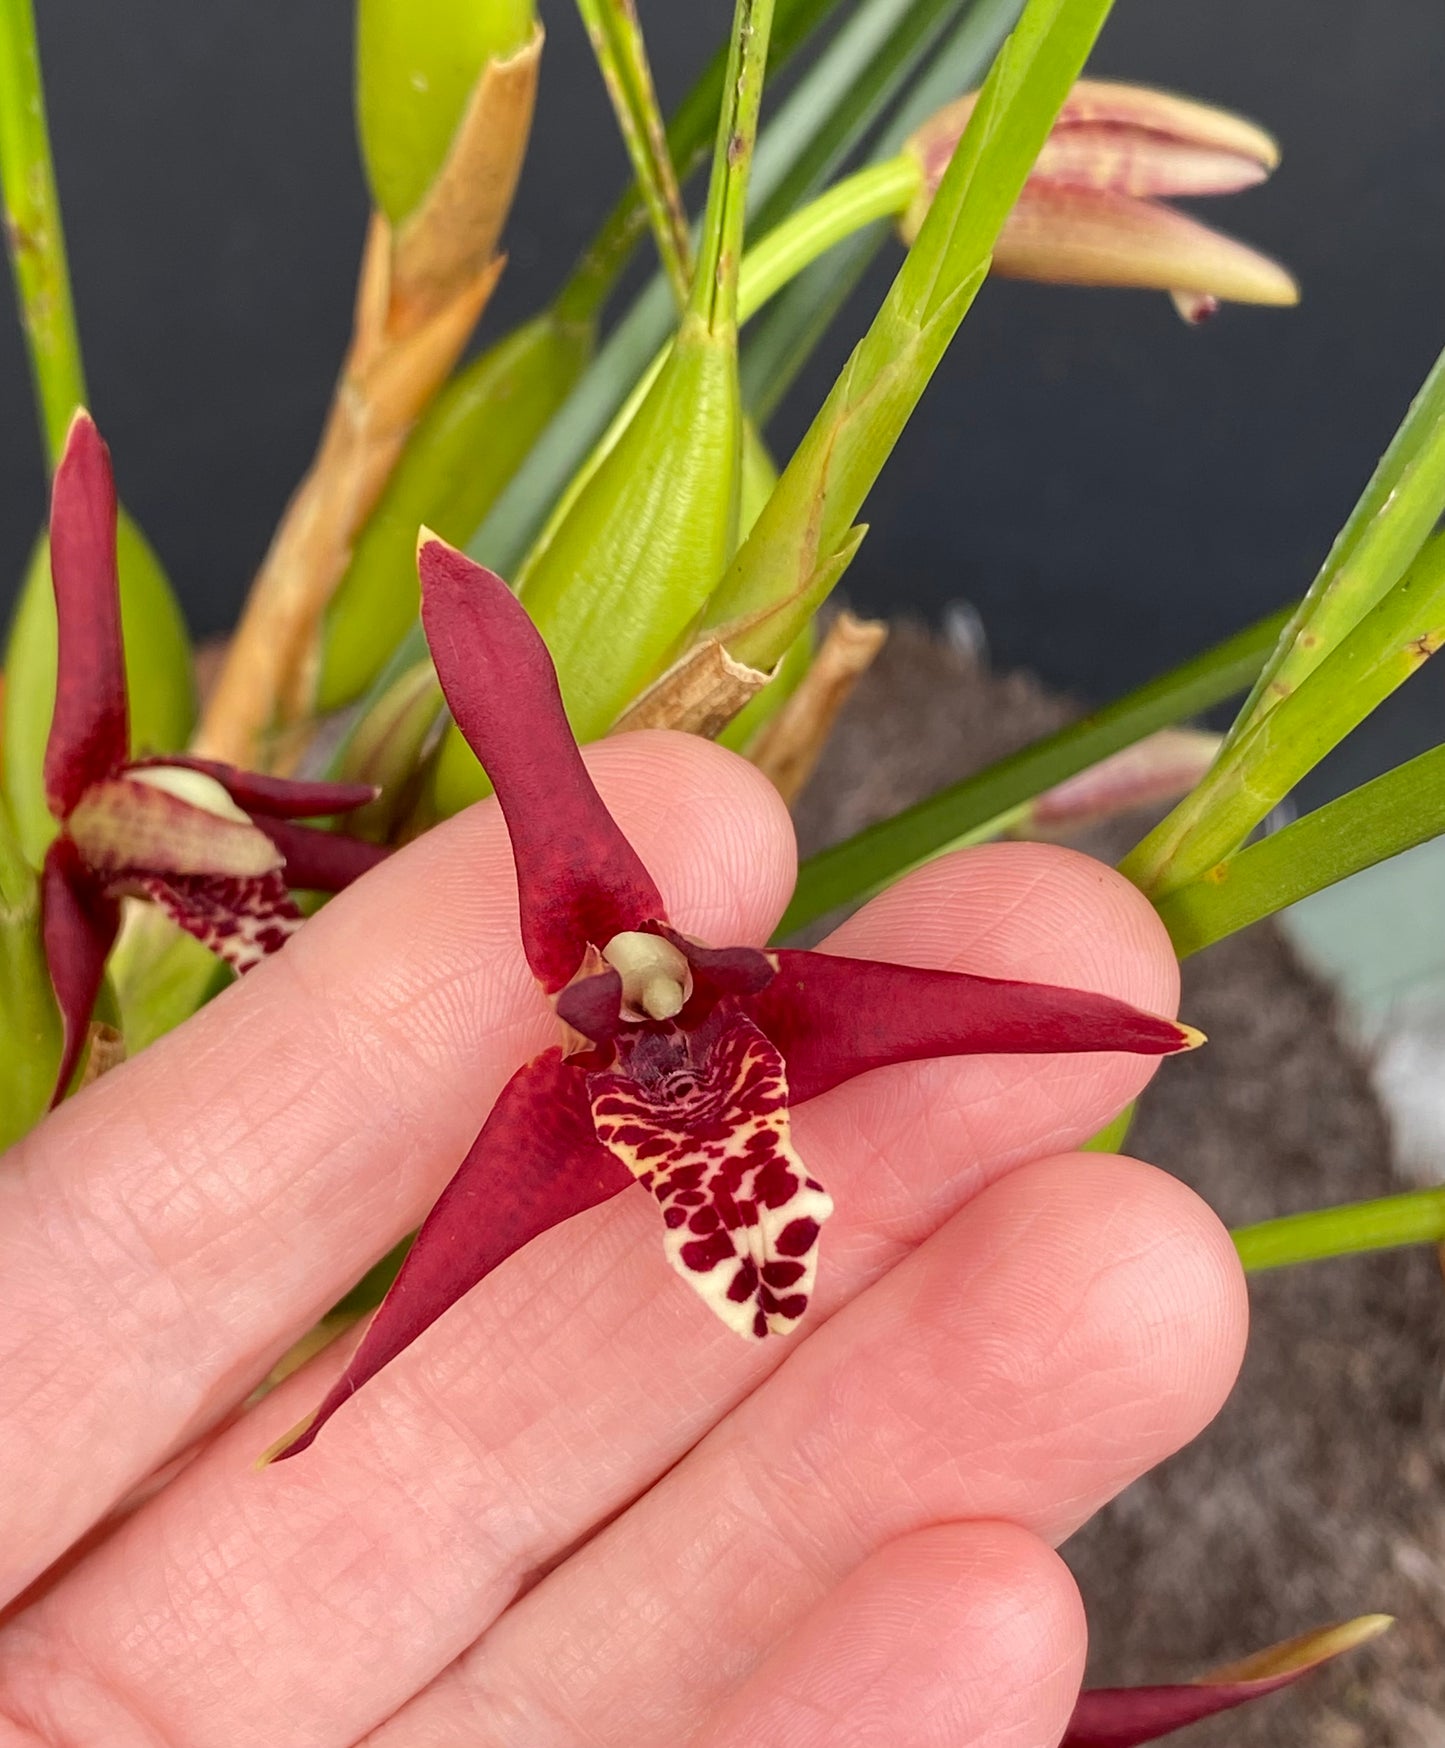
(1111, 489)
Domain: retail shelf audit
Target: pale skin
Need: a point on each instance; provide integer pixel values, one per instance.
(579, 1511)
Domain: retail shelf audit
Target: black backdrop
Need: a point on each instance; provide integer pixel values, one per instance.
(1111, 489)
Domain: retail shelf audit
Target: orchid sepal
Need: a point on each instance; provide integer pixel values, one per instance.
(1128, 1717)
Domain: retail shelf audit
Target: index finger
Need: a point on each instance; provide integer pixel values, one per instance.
(166, 1236)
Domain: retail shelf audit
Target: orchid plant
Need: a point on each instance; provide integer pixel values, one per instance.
(666, 573)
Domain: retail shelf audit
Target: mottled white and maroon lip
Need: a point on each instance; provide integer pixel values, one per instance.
(680, 1062)
(205, 842)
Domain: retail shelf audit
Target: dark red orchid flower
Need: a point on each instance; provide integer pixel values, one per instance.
(1125, 1717)
(214, 847)
(678, 1062)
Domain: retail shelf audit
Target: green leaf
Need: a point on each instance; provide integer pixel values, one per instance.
(31, 1056)
(1401, 504)
(853, 870)
(1385, 1224)
(158, 670)
(1380, 819)
(416, 67)
(1254, 773)
(621, 52)
(809, 518)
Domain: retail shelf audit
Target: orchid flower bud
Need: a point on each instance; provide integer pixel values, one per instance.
(416, 69)
(1092, 212)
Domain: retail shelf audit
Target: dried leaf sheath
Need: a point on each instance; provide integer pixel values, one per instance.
(420, 294)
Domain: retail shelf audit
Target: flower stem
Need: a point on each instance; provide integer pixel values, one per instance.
(1386, 1224)
(621, 54)
(33, 230)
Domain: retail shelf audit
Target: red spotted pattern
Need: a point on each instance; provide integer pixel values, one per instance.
(239, 920)
(701, 1119)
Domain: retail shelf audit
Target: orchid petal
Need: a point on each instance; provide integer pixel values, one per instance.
(320, 861)
(1064, 235)
(240, 920)
(1121, 1717)
(701, 1120)
(125, 824)
(579, 879)
(79, 923)
(89, 729)
(278, 797)
(833, 1018)
(536, 1163)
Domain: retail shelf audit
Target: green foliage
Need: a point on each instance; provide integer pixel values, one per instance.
(32, 1021)
(464, 450)
(1370, 824)
(862, 865)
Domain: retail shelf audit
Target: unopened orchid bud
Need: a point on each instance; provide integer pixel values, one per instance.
(1092, 212)
(417, 66)
(158, 667)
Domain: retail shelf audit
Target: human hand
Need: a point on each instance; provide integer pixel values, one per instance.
(579, 1510)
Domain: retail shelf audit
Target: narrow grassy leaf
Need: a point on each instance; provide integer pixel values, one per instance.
(768, 591)
(1380, 819)
(1256, 772)
(1386, 1224)
(864, 864)
(617, 42)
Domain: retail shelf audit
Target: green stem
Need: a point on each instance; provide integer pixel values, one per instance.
(715, 283)
(878, 191)
(1387, 1224)
(688, 135)
(848, 872)
(33, 229)
(1395, 512)
(1380, 819)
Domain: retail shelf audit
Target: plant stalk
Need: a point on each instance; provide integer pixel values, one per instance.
(1387, 1224)
(33, 229)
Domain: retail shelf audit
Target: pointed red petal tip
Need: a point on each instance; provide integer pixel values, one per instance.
(536, 1163)
(320, 861)
(579, 879)
(89, 730)
(1127, 1717)
(834, 1018)
(280, 797)
(78, 927)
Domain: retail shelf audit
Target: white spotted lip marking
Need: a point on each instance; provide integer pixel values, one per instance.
(710, 1139)
(242, 920)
